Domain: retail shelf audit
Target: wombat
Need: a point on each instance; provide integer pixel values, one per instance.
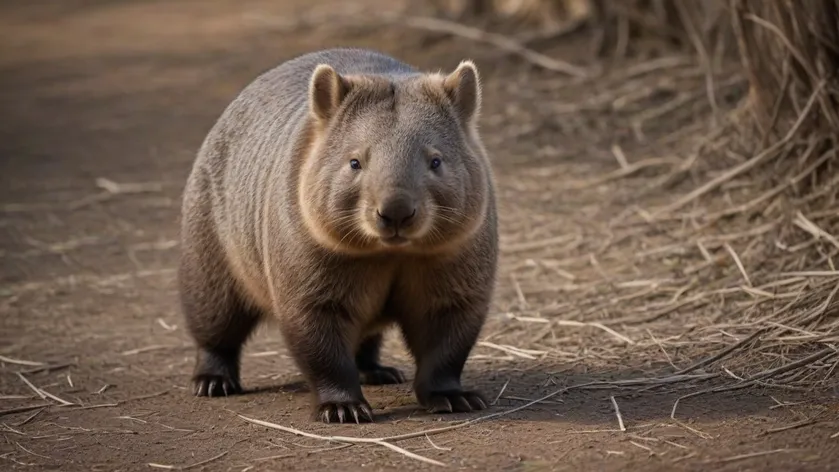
(343, 192)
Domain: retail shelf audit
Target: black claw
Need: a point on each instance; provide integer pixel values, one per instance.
(455, 402)
(368, 412)
(440, 404)
(460, 404)
(215, 386)
(477, 401)
(341, 412)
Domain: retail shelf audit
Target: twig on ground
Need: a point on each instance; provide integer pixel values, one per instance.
(31, 417)
(141, 350)
(345, 439)
(646, 448)
(525, 353)
(436, 446)
(122, 402)
(750, 455)
(9, 360)
(42, 393)
(618, 413)
(796, 425)
(47, 368)
(755, 379)
(22, 409)
(500, 392)
(614, 333)
(739, 263)
(34, 453)
(722, 354)
(187, 467)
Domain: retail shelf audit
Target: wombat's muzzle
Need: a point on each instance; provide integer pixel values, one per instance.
(395, 215)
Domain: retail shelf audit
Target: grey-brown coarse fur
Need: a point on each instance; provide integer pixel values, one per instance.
(342, 192)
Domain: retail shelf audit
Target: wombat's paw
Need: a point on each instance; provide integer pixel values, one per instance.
(382, 375)
(344, 412)
(212, 385)
(455, 401)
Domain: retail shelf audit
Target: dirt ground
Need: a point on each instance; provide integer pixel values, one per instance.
(103, 107)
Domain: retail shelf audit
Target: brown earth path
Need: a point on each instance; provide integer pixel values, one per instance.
(94, 93)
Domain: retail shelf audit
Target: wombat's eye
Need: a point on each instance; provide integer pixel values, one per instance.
(354, 164)
(435, 163)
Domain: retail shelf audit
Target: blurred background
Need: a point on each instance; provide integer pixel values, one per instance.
(666, 173)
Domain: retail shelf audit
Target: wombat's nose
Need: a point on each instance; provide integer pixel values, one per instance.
(396, 214)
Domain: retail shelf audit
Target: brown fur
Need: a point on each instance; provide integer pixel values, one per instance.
(277, 222)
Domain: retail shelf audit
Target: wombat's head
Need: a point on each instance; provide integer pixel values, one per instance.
(394, 165)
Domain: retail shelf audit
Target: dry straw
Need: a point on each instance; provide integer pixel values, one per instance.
(731, 264)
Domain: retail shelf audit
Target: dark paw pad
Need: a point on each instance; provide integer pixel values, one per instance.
(382, 375)
(344, 412)
(208, 385)
(455, 402)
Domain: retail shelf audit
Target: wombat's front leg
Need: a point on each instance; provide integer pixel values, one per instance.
(440, 343)
(319, 342)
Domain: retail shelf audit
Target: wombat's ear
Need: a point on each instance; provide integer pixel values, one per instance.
(463, 87)
(327, 90)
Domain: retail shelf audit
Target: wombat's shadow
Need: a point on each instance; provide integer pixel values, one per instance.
(573, 397)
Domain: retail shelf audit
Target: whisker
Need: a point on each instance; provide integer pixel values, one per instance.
(344, 219)
(358, 233)
(454, 216)
(436, 235)
(350, 224)
(447, 218)
(451, 210)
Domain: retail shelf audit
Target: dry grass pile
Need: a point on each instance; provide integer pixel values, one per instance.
(787, 171)
(724, 262)
(618, 27)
